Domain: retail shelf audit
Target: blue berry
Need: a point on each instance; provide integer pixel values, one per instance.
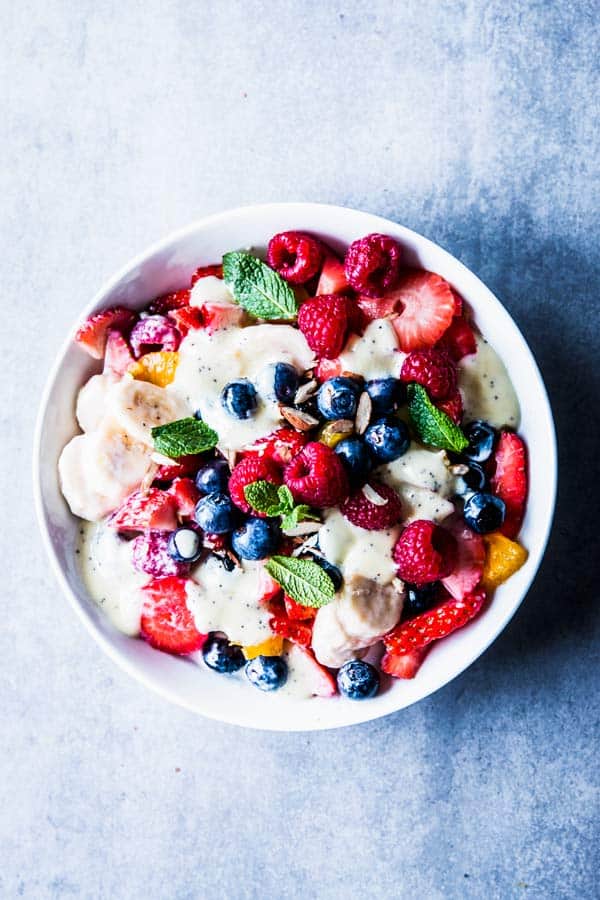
(198, 415)
(473, 480)
(184, 545)
(386, 394)
(255, 539)
(238, 398)
(215, 513)
(484, 512)
(338, 398)
(356, 458)
(387, 439)
(333, 571)
(213, 477)
(419, 599)
(482, 438)
(358, 680)
(279, 381)
(267, 673)
(221, 656)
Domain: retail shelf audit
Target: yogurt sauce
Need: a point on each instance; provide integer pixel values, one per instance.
(424, 482)
(486, 389)
(375, 354)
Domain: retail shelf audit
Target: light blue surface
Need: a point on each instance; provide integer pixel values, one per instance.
(474, 123)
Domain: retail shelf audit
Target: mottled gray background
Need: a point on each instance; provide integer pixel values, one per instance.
(475, 123)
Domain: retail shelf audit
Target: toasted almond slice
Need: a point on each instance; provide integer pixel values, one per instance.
(305, 391)
(308, 544)
(373, 497)
(146, 482)
(363, 413)
(341, 426)
(458, 469)
(301, 421)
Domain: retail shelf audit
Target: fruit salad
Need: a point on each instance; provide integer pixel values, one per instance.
(300, 471)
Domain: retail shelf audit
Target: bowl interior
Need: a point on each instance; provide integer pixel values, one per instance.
(167, 266)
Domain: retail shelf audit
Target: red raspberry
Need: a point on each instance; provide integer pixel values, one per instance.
(317, 476)
(434, 624)
(425, 552)
(168, 302)
(452, 406)
(152, 333)
(433, 369)
(149, 554)
(372, 264)
(360, 509)
(297, 257)
(323, 321)
(204, 271)
(281, 446)
(252, 468)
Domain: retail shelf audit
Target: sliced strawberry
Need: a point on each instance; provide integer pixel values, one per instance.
(425, 305)
(327, 368)
(298, 612)
(221, 315)
(458, 303)
(509, 481)
(204, 271)
(92, 335)
(452, 406)
(379, 307)
(318, 680)
(333, 278)
(153, 510)
(118, 356)
(167, 624)
(458, 340)
(186, 496)
(268, 588)
(469, 566)
(185, 465)
(169, 302)
(187, 318)
(421, 630)
(281, 445)
(405, 665)
(295, 632)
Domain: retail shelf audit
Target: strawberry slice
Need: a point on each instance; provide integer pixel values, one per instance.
(298, 612)
(153, 510)
(281, 445)
(379, 307)
(185, 465)
(404, 665)
(187, 318)
(510, 481)
(452, 406)
(167, 624)
(469, 566)
(118, 356)
(204, 271)
(186, 496)
(318, 680)
(268, 589)
(416, 633)
(169, 302)
(296, 632)
(458, 303)
(93, 334)
(327, 368)
(221, 315)
(458, 340)
(333, 278)
(425, 305)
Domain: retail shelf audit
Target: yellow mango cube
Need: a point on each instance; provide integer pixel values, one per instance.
(502, 559)
(273, 646)
(158, 368)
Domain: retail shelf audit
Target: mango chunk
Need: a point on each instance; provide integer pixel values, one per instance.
(158, 368)
(502, 559)
(273, 646)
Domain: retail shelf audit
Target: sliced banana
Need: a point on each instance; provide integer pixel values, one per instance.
(91, 401)
(367, 610)
(139, 406)
(330, 643)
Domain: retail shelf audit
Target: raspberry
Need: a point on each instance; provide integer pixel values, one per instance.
(154, 333)
(425, 552)
(433, 369)
(297, 257)
(252, 468)
(317, 476)
(323, 321)
(434, 624)
(149, 554)
(452, 406)
(360, 509)
(281, 446)
(372, 264)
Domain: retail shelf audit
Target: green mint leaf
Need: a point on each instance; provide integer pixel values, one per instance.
(286, 499)
(432, 425)
(298, 514)
(263, 497)
(256, 287)
(304, 581)
(183, 437)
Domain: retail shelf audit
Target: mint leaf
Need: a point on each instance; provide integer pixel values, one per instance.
(298, 514)
(256, 287)
(304, 581)
(432, 425)
(183, 437)
(262, 496)
(286, 498)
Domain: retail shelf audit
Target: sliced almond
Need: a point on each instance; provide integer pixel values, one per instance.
(398, 584)
(301, 421)
(149, 477)
(458, 469)
(305, 391)
(308, 544)
(231, 456)
(340, 426)
(363, 413)
(353, 375)
(373, 497)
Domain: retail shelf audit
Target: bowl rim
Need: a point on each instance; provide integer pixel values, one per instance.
(362, 713)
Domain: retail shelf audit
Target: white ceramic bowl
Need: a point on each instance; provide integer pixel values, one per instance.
(167, 266)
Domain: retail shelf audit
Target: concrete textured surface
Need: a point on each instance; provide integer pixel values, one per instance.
(473, 122)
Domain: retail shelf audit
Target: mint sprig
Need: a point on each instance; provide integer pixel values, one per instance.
(261, 291)
(183, 437)
(302, 580)
(432, 425)
(268, 498)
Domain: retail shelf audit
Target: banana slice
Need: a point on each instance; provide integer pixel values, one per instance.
(330, 643)
(367, 610)
(139, 406)
(100, 468)
(91, 401)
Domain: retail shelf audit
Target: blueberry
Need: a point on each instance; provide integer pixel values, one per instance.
(221, 656)
(473, 480)
(215, 513)
(386, 394)
(184, 545)
(238, 398)
(419, 599)
(484, 512)
(358, 680)
(256, 538)
(338, 398)
(333, 571)
(482, 438)
(387, 439)
(267, 673)
(198, 415)
(356, 458)
(213, 477)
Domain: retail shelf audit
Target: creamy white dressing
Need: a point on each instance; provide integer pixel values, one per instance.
(375, 354)
(300, 683)
(421, 468)
(486, 389)
(421, 503)
(110, 577)
(207, 362)
(210, 289)
(357, 551)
